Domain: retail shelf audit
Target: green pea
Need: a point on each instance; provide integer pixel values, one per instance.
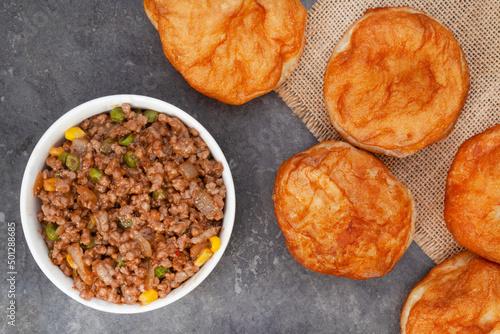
(119, 261)
(117, 115)
(130, 159)
(151, 115)
(126, 141)
(160, 194)
(126, 223)
(95, 175)
(62, 157)
(161, 271)
(72, 162)
(89, 246)
(210, 156)
(106, 146)
(137, 110)
(50, 229)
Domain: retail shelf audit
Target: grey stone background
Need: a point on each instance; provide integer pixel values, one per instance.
(56, 54)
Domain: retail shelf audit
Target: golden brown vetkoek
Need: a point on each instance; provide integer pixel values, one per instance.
(231, 50)
(342, 212)
(472, 201)
(460, 295)
(396, 82)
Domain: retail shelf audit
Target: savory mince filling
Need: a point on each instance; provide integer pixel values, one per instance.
(132, 205)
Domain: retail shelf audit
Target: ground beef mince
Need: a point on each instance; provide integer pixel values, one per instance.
(132, 204)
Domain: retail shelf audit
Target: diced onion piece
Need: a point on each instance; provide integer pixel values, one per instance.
(38, 184)
(104, 271)
(150, 275)
(157, 238)
(188, 171)
(203, 257)
(205, 204)
(143, 244)
(74, 132)
(76, 253)
(71, 263)
(148, 297)
(60, 230)
(87, 197)
(197, 249)
(214, 243)
(78, 146)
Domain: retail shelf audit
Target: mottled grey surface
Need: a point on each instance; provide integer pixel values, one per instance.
(56, 54)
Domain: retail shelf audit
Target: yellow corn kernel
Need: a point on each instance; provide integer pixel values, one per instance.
(55, 151)
(49, 184)
(71, 263)
(203, 257)
(148, 297)
(74, 132)
(214, 243)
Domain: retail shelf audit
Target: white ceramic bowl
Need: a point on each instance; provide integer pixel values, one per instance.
(30, 205)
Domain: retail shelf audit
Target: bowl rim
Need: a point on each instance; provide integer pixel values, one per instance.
(36, 163)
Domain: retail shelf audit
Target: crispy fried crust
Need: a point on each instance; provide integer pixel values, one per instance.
(396, 82)
(151, 12)
(231, 50)
(460, 295)
(472, 200)
(342, 212)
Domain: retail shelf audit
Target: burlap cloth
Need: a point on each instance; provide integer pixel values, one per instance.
(476, 26)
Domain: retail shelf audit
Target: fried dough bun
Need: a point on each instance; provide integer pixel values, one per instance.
(342, 212)
(472, 200)
(460, 295)
(396, 82)
(231, 50)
